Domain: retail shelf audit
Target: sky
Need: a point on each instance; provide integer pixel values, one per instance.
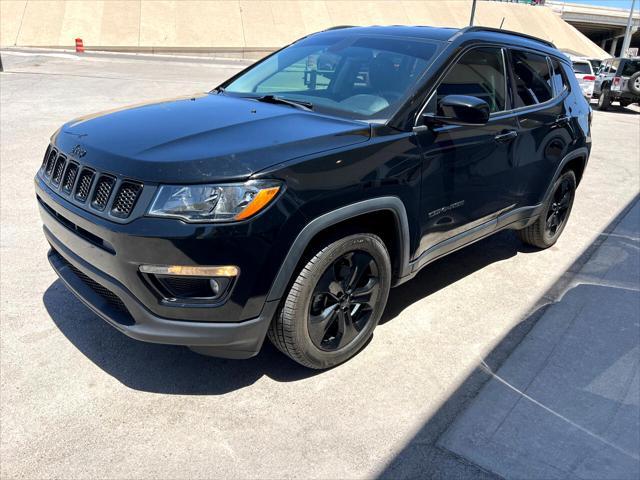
(606, 3)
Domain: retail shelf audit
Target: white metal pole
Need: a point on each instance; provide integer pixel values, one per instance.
(627, 33)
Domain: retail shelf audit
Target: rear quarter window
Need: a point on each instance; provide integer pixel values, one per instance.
(560, 80)
(629, 67)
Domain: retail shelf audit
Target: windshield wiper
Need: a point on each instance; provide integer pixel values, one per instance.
(218, 90)
(286, 101)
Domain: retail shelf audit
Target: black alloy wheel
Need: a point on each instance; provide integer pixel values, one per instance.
(343, 300)
(558, 210)
(548, 227)
(335, 302)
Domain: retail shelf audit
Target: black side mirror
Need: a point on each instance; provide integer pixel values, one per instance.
(459, 110)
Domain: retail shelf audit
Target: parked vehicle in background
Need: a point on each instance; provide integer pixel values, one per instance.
(584, 73)
(286, 202)
(595, 63)
(618, 80)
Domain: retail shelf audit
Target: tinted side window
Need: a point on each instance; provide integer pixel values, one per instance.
(630, 67)
(560, 82)
(532, 78)
(479, 73)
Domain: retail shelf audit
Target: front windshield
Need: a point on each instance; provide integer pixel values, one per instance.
(356, 76)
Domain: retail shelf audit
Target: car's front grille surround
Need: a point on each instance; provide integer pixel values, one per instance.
(100, 192)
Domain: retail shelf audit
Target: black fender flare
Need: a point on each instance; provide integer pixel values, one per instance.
(317, 225)
(577, 153)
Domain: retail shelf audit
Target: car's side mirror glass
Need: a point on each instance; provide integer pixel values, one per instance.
(459, 110)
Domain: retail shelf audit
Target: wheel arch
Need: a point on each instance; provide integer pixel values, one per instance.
(576, 161)
(329, 221)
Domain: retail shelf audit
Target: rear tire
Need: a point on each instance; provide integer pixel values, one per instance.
(634, 83)
(546, 230)
(335, 303)
(604, 100)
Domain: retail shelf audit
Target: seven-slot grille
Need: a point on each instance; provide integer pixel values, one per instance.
(87, 186)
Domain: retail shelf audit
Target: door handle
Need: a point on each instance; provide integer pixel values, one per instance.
(506, 137)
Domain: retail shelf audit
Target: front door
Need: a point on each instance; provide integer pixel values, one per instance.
(467, 169)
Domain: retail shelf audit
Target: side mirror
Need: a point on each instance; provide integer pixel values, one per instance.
(459, 110)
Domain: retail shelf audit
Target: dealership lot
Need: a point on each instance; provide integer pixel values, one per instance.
(79, 399)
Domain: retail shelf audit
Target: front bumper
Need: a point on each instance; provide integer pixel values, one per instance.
(229, 340)
(105, 277)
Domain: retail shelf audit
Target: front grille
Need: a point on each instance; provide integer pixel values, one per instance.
(84, 185)
(124, 316)
(126, 198)
(58, 170)
(103, 192)
(100, 192)
(70, 177)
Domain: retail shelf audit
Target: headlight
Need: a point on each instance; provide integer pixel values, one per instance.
(214, 203)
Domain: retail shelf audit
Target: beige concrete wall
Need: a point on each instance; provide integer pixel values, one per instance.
(236, 26)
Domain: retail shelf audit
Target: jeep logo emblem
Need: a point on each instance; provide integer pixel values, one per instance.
(78, 151)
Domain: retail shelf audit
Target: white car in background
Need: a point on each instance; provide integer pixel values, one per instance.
(584, 73)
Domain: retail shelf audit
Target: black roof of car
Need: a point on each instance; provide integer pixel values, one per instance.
(450, 34)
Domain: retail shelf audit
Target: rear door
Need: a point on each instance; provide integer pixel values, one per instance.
(541, 96)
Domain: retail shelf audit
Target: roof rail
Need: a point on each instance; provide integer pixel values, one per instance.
(509, 32)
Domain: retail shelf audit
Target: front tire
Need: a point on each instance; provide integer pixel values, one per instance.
(335, 302)
(546, 230)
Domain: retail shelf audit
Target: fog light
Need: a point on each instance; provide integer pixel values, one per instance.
(215, 287)
(191, 271)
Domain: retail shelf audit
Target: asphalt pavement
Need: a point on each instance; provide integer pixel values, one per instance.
(78, 399)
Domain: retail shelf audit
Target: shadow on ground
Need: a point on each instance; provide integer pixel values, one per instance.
(177, 370)
(422, 457)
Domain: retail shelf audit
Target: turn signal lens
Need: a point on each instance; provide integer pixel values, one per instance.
(191, 271)
(260, 201)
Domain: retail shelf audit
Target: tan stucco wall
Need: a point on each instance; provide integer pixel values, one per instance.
(246, 25)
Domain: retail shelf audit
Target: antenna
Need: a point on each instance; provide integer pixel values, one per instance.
(473, 13)
(501, 23)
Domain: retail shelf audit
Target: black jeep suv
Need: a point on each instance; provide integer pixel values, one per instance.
(290, 199)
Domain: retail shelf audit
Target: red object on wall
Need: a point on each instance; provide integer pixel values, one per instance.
(79, 45)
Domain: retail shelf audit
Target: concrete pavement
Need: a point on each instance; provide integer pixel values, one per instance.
(79, 400)
(566, 403)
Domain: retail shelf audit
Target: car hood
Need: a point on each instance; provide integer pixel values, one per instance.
(208, 137)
